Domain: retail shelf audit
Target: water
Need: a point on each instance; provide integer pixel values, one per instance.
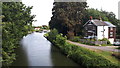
(38, 51)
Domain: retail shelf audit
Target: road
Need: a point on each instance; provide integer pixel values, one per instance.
(103, 48)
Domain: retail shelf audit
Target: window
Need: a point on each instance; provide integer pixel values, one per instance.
(111, 28)
(111, 34)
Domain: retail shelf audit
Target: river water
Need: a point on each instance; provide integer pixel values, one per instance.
(35, 50)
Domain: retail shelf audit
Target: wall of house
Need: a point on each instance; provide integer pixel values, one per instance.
(100, 34)
(106, 31)
(111, 40)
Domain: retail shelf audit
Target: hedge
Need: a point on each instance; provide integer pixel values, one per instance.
(80, 55)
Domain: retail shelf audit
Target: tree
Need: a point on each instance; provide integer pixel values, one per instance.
(96, 14)
(106, 16)
(16, 23)
(112, 18)
(66, 15)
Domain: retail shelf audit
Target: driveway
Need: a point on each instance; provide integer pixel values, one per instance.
(103, 48)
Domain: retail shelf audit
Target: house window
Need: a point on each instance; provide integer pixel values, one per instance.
(111, 28)
(111, 34)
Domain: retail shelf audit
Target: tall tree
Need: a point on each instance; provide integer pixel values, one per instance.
(66, 16)
(106, 16)
(17, 21)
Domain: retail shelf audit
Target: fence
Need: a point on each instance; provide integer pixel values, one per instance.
(93, 42)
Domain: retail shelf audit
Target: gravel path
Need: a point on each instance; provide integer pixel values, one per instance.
(104, 48)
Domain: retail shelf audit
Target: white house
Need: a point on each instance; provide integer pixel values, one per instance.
(99, 29)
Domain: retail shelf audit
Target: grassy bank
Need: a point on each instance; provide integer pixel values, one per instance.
(82, 56)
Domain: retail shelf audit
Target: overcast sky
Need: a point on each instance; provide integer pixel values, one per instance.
(43, 8)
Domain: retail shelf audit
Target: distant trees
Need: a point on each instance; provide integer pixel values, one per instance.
(67, 16)
(16, 23)
(106, 16)
(96, 14)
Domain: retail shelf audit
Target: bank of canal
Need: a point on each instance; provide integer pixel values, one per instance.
(35, 50)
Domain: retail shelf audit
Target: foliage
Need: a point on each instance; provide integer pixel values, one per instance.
(82, 56)
(16, 23)
(46, 35)
(52, 34)
(105, 39)
(45, 27)
(96, 14)
(88, 58)
(76, 39)
(67, 17)
(106, 16)
(60, 40)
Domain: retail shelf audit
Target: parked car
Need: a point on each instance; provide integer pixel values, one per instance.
(117, 43)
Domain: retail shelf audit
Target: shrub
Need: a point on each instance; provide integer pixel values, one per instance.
(81, 55)
(76, 39)
(52, 34)
(60, 40)
(105, 39)
(86, 57)
(46, 35)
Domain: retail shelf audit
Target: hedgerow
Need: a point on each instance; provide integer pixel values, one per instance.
(80, 55)
(16, 22)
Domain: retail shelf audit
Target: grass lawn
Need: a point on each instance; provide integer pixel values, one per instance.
(112, 56)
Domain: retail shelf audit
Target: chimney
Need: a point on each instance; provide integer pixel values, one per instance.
(91, 17)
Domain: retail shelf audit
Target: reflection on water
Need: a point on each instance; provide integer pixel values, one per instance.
(38, 51)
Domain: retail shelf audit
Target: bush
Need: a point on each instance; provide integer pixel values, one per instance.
(52, 34)
(16, 23)
(81, 55)
(60, 40)
(76, 39)
(105, 39)
(86, 57)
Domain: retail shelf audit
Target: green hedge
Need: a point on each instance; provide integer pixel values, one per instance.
(16, 22)
(81, 55)
(76, 39)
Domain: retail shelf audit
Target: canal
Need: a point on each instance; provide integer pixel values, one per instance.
(35, 50)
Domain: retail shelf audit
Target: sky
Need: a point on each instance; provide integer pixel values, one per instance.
(43, 8)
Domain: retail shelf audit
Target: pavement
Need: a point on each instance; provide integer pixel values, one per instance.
(103, 48)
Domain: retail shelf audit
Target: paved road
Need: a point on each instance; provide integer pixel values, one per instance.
(104, 48)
